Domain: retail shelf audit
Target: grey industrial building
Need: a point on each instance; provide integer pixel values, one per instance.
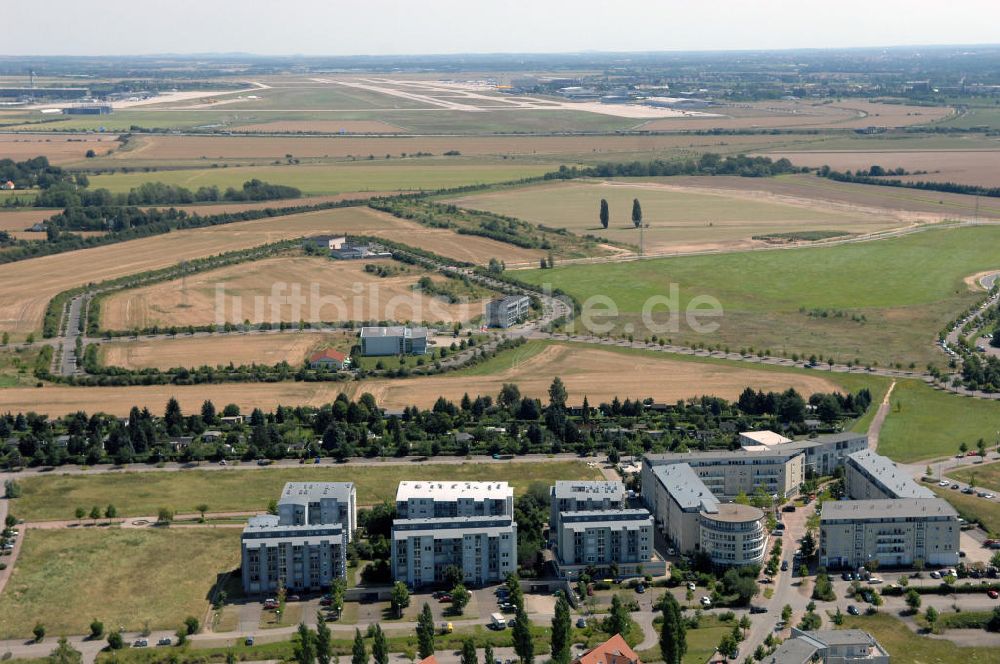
(871, 476)
(396, 340)
(304, 546)
(507, 311)
(896, 533)
(469, 525)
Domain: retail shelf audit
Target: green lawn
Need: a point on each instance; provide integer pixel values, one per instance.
(142, 494)
(986, 476)
(972, 508)
(376, 175)
(925, 423)
(66, 578)
(906, 647)
(701, 642)
(807, 300)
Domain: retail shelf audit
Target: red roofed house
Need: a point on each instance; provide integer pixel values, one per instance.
(327, 359)
(612, 651)
(7, 185)
(428, 660)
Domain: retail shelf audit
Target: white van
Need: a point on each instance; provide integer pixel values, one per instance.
(497, 621)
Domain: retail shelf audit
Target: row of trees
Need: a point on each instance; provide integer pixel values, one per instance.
(706, 164)
(605, 215)
(68, 194)
(866, 177)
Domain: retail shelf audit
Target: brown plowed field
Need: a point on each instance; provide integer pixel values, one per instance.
(56, 147)
(976, 167)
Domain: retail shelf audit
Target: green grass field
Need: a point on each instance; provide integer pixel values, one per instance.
(986, 476)
(906, 647)
(430, 120)
(66, 578)
(701, 642)
(376, 175)
(972, 508)
(803, 300)
(142, 494)
(676, 219)
(924, 423)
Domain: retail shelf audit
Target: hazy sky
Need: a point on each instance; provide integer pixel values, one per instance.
(334, 27)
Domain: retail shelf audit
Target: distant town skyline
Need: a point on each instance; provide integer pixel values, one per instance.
(394, 27)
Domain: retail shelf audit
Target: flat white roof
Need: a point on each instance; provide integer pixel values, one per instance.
(768, 438)
(449, 491)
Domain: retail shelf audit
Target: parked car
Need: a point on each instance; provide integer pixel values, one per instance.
(140, 643)
(874, 580)
(165, 641)
(581, 623)
(758, 609)
(935, 574)
(444, 598)
(294, 598)
(248, 641)
(954, 486)
(784, 565)
(788, 508)
(706, 601)
(640, 589)
(943, 483)
(993, 594)
(263, 462)
(853, 610)
(691, 585)
(223, 462)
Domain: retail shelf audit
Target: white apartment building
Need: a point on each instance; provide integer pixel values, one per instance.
(871, 476)
(311, 503)
(692, 519)
(896, 533)
(584, 495)
(734, 535)
(469, 525)
(304, 546)
(729, 473)
(591, 527)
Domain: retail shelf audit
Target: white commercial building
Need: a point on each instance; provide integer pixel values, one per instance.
(468, 525)
(896, 533)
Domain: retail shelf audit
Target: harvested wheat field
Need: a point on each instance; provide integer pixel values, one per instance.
(59, 149)
(17, 220)
(848, 114)
(211, 351)
(27, 286)
(283, 289)
(598, 373)
(975, 167)
(322, 127)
